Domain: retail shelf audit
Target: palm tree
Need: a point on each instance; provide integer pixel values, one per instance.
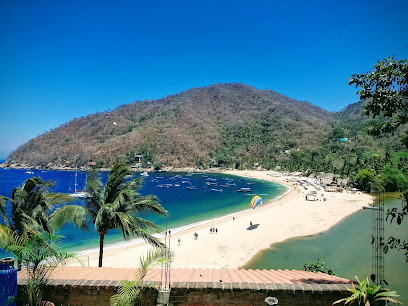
(117, 205)
(39, 255)
(367, 294)
(32, 207)
(129, 292)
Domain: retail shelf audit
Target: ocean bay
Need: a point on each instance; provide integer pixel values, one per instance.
(186, 207)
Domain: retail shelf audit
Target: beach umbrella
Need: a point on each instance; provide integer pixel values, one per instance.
(255, 201)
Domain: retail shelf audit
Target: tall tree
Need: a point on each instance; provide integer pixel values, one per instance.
(117, 205)
(31, 208)
(386, 91)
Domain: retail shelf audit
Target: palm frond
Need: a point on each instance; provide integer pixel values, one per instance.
(141, 233)
(93, 188)
(3, 215)
(74, 214)
(129, 291)
(127, 294)
(148, 204)
(58, 198)
(125, 222)
(118, 176)
(148, 226)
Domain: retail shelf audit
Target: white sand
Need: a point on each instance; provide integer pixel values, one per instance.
(234, 244)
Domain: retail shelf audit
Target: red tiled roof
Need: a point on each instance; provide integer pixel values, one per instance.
(198, 275)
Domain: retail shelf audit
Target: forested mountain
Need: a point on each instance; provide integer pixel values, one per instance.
(227, 125)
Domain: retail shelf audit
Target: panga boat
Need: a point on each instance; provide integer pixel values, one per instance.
(244, 190)
(191, 187)
(217, 190)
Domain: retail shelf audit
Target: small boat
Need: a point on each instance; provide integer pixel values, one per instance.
(177, 185)
(244, 190)
(29, 172)
(159, 177)
(211, 184)
(144, 173)
(162, 186)
(231, 184)
(225, 186)
(211, 179)
(217, 190)
(77, 193)
(191, 188)
(185, 182)
(169, 185)
(250, 183)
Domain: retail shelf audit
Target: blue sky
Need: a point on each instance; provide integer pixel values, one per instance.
(64, 59)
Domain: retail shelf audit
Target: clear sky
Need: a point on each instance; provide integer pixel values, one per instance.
(64, 59)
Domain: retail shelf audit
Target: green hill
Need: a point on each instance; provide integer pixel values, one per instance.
(229, 125)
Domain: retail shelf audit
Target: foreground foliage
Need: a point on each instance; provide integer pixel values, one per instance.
(32, 208)
(39, 256)
(129, 292)
(398, 215)
(319, 266)
(117, 205)
(367, 294)
(386, 90)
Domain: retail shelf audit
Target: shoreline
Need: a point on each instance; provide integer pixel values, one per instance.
(180, 229)
(236, 242)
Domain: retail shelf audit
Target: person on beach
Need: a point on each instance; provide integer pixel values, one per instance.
(216, 230)
(179, 240)
(233, 218)
(211, 230)
(250, 223)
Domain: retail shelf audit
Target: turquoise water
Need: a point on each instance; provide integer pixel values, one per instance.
(185, 206)
(346, 248)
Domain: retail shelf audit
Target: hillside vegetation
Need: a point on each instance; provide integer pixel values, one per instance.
(225, 125)
(191, 128)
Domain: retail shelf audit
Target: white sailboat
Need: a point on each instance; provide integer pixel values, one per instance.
(144, 173)
(77, 193)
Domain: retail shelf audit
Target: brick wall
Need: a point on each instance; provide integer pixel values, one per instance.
(98, 293)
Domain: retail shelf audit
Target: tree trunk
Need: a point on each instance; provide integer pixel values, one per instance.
(101, 238)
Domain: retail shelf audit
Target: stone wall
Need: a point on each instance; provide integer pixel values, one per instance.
(86, 292)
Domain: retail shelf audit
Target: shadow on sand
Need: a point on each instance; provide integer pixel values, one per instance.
(252, 227)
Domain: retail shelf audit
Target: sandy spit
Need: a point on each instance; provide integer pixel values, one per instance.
(236, 242)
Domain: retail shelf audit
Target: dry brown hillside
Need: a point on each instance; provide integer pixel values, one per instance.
(193, 128)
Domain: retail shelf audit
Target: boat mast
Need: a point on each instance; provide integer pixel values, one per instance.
(76, 174)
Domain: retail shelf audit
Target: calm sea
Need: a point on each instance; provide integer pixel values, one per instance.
(186, 207)
(346, 248)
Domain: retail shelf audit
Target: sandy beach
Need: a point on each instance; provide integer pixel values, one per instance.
(236, 242)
